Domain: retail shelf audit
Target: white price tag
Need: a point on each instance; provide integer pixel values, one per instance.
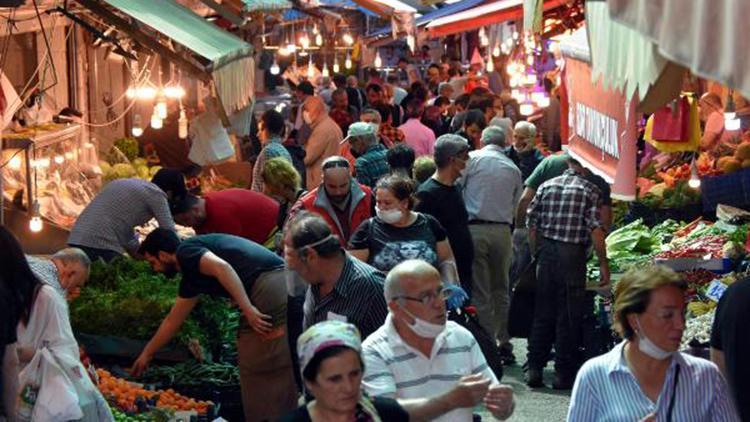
(715, 290)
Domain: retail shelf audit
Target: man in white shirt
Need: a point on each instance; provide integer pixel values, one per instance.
(492, 188)
(418, 354)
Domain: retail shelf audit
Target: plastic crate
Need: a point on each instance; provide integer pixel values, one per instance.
(730, 189)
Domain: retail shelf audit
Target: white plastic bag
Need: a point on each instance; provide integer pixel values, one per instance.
(47, 391)
(211, 142)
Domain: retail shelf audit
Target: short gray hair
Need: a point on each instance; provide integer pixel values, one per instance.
(525, 129)
(73, 255)
(414, 268)
(371, 139)
(493, 135)
(447, 146)
(374, 112)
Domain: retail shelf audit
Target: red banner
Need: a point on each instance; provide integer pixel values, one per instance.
(601, 129)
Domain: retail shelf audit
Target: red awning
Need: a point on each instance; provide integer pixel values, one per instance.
(487, 14)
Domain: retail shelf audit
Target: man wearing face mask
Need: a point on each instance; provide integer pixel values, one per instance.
(252, 277)
(342, 202)
(451, 156)
(324, 139)
(418, 354)
(67, 271)
(371, 163)
(492, 189)
(341, 287)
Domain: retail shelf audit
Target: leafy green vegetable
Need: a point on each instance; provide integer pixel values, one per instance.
(127, 299)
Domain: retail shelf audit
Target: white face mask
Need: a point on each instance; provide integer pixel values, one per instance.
(648, 347)
(389, 216)
(306, 117)
(423, 328)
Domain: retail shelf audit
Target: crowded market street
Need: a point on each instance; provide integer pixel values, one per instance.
(374, 210)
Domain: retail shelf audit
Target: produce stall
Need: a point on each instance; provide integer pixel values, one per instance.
(709, 256)
(117, 313)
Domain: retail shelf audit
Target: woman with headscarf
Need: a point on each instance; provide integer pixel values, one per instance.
(324, 139)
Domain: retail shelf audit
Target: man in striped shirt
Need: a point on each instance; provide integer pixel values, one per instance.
(418, 354)
(341, 287)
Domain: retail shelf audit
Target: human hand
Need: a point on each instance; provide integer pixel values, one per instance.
(141, 364)
(73, 293)
(258, 321)
(469, 391)
(604, 276)
(499, 401)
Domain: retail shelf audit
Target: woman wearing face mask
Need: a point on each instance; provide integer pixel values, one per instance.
(324, 139)
(645, 378)
(398, 233)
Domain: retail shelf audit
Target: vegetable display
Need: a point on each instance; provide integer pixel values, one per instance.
(193, 374)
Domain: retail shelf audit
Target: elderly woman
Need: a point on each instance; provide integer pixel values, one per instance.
(524, 153)
(398, 233)
(324, 139)
(645, 378)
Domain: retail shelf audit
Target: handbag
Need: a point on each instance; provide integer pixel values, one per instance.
(671, 122)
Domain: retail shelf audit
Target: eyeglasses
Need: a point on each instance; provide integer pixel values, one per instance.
(336, 164)
(428, 299)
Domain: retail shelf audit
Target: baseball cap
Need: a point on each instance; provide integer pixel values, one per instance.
(359, 129)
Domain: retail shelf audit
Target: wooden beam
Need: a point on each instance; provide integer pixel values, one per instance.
(145, 39)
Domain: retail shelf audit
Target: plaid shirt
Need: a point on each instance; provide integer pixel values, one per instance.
(371, 165)
(390, 135)
(109, 221)
(565, 209)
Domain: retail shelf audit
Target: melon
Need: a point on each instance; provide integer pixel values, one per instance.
(731, 165)
(743, 151)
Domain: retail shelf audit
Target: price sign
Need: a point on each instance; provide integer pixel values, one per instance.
(715, 290)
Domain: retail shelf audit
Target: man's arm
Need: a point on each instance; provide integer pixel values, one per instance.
(167, 330)
(216, 267)
(717, 357)
(598, 236)
(606, 213)
(469, 392)
(523, 205)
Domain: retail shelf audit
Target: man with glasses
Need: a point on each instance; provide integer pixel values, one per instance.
(451, 156)
(419, 354)
(342, 202)
(492, 189)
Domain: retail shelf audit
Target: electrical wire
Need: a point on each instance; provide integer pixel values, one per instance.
(3, 165)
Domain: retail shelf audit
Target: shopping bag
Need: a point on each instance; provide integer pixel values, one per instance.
(90, 399)
(693, 138)
(671, 122)
(46, 394)
(211, 142)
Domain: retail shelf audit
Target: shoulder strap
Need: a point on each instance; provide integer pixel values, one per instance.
(674, 393)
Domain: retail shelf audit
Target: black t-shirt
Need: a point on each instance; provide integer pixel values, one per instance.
(388, 409)
(446, 204)
(390, 245)
(247, 258)
(730, 335)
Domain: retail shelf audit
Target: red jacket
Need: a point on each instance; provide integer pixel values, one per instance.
(317, 201)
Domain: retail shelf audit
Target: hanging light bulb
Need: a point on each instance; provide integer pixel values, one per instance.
(482, 33)
(156, 121)
(15, 163)
(411, 42)
(543, 102)
(695, 181)
(315, 29)
(182, 125)
(319, 40)
(137, 129)
(378, 61)
(515, 35)
(490, 65)
(310, 69)
(530, 60)
(496, 50)
(59, 159)
(731, 122)
(161, 107)
(336, 67)
(325, 71)
(282, 51)
(304, 41)
(348, 62)
(36, 224)
(348, 39)
(175, 92)
(527, 109)
(275, 69)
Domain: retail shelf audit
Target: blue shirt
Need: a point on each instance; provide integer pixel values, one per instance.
(606, 390)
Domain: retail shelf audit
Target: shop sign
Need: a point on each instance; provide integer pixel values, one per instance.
(601, 129)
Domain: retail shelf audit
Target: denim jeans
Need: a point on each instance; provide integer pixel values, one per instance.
(561, 304)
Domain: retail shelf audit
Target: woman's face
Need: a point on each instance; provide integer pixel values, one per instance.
(409, 250)
(663, 321)
(337, 386)
(474, 132)
(385, 200)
